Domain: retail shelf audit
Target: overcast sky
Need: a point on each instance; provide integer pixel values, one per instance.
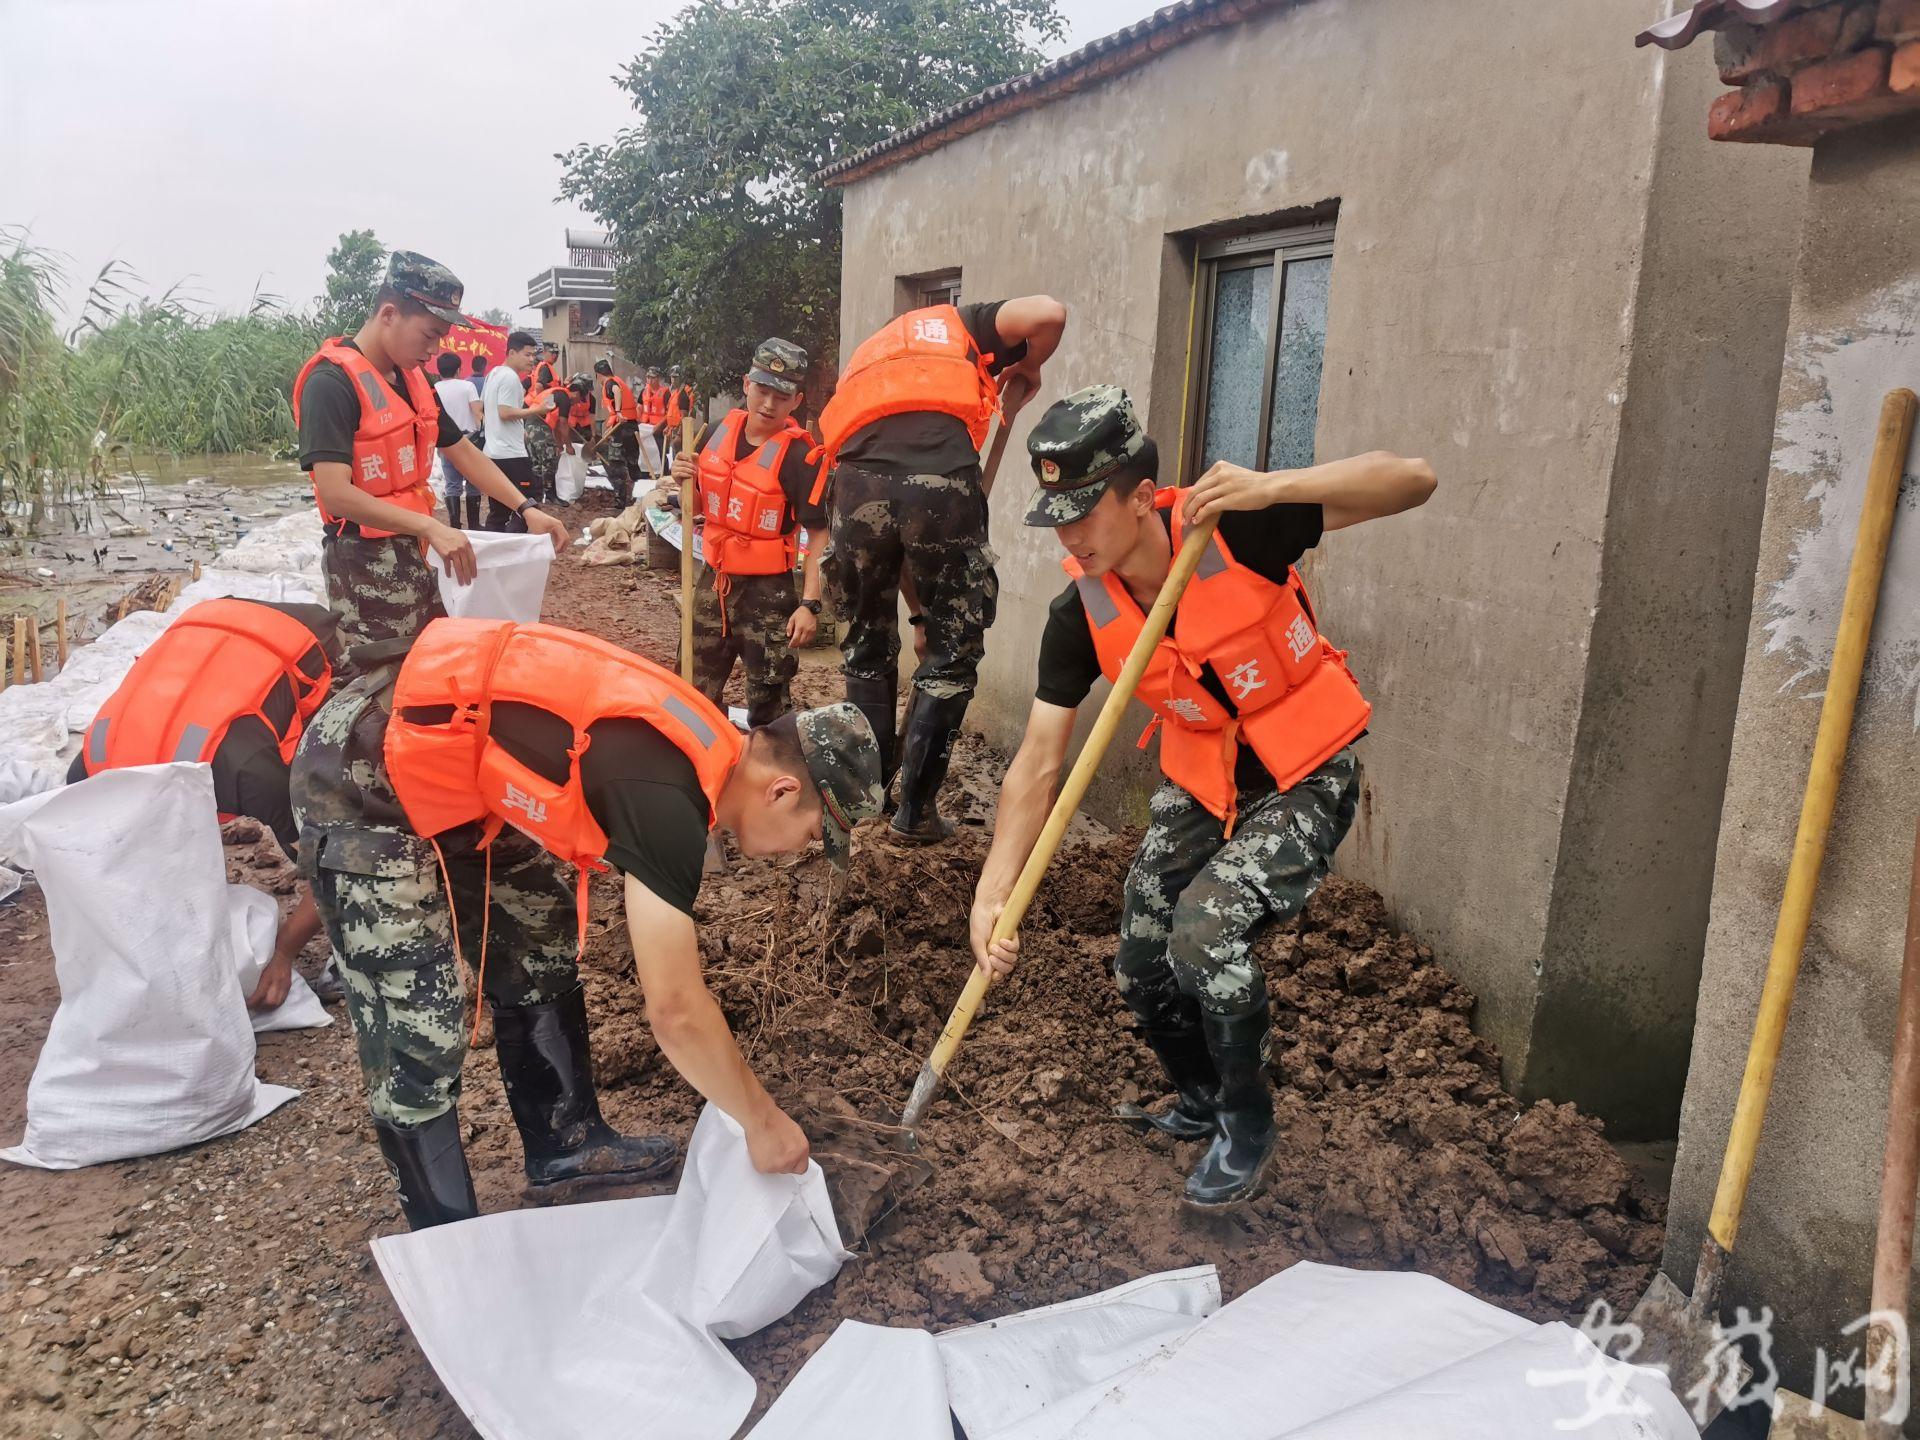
(227, 143)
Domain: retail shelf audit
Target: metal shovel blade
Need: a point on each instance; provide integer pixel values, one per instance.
(1683, 1338)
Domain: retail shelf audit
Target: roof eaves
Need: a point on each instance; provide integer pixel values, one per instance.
(1680, 30)
(1108, 56)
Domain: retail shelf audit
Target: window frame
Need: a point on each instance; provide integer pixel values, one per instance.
(1225, 255)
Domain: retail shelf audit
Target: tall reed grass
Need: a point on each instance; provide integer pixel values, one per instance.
(133, 375)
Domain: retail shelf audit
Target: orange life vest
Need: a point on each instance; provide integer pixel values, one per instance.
(924, 360)
(447, 770)
(393, 446)
(653, 403)
(679, 403)
(743, 501)
(544, 375)
(580, 414)
(1294, 700)
(220, 661)
(618, 399)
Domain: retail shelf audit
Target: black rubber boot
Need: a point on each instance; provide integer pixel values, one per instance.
(875, 700)
(548, 1073)
(475, 503)
(1236, 1163)
(1182, 1049)
(430, 1167)
(925, 754)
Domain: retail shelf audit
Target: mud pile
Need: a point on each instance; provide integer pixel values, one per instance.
(1398, 1146)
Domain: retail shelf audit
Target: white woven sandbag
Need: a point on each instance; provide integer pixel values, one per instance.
(151, 1048)
(511, 583)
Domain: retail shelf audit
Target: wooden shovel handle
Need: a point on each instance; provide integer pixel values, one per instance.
(689, 445)
(1158, 618)
(1816, 809)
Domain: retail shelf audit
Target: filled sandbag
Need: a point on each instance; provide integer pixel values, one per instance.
(151, 1047)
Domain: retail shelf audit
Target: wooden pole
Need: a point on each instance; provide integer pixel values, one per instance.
(19, 649)
(33, 648)
(686, 557)
(60, 639)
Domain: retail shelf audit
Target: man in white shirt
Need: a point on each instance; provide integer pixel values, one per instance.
(462, 403)
(506, 421)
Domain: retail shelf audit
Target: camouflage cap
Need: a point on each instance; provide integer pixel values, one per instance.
(1077, 445)
(428, 283)
(844, 760)
(779, 364)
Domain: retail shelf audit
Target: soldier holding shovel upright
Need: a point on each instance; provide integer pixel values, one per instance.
(1256, 713)
(754, 483)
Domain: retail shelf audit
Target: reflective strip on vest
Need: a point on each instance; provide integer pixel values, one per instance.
(1213, 562)
(193, 740)
(690, 718)
(97, 743)
(376, 397)
(1101, 611)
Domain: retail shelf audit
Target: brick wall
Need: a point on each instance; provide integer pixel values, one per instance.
(1822, 68)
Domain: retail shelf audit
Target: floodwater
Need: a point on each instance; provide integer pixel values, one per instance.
(161, 515)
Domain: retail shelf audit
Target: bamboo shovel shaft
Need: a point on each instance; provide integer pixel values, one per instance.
(1816, 809)
(688, 442)
(1893, 1252)
(1071, 793)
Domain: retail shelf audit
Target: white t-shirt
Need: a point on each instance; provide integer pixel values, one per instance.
(506, 439)
(457, 398)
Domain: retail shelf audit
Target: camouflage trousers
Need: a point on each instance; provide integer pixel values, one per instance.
(390, 912)
(544, 452)
(380, 590)
(936, 525)
(394, 930)
(753, 629)
(1196, 900)
(620, 453)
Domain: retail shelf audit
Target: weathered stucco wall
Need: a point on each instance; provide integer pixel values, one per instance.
(1806, 1241)
(1492, 165)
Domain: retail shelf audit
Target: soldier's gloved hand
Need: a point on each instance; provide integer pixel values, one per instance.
(776, 1145)
(455, 551)
(997, 958)
(538, 522)
(801, 628)
(683, 470)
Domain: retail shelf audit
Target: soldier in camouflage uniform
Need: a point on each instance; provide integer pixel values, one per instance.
(757, 618)
(379, 584)
(908, 493)
(402, 909)
(1228, 850)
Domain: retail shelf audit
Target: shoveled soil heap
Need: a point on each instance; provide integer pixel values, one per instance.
(227, 1289)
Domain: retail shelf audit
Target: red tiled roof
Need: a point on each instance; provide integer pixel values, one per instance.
(1679, 31)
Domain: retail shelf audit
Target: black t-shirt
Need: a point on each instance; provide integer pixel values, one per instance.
(923, 442)
(1267, 542)
(330, 413)
(640, 787)
(796, 479)
(249, 777)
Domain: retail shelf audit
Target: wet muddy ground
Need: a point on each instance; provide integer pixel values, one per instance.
(228, 1290)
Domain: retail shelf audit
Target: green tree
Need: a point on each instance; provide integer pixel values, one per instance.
(724, 239)
(497, 316)
(354, 270)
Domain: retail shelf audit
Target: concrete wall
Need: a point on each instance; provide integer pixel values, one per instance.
(1492, 163)
(1806, 1241)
